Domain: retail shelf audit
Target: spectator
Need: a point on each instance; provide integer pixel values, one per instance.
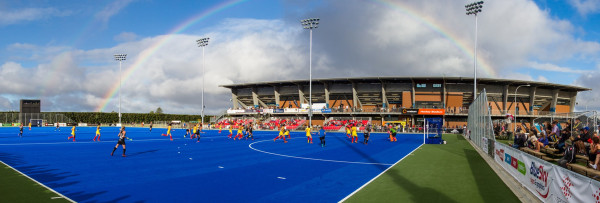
(553, 136)
(594, 151)
(534, 143)
(569, 156)
(581, 139)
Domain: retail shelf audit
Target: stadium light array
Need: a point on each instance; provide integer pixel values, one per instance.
(473, 9)
(120, 58)
(202, 42)
(310, 24)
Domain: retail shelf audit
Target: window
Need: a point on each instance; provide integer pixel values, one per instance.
(421, 85)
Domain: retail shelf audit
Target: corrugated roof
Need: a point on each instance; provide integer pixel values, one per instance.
(488, 81)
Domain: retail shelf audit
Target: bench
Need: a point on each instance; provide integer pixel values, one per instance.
(582, 157)
(533, 152)
(552, 152)
(589, 172)
(549, 159)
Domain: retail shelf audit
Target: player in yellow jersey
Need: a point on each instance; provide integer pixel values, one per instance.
(194, 129)
(220, 127)
(29, 125)
(308, 135)
(169, 132)
(348, 131)
(354, 134)
(240, 133)
(72, 134)
(287, 134)
(281, 134)
(230, 131)
(97, 133)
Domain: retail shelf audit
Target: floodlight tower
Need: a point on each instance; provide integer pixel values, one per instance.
(310, 24)
(202, 42)
(473, 9)
(120, 58)
(515, 116)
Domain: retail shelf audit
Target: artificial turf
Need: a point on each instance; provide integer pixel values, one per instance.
(18, 188)
(216, 169)
(453, 172)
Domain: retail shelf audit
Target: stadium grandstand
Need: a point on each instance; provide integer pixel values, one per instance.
(405, 100)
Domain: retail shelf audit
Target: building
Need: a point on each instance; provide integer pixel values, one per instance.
(29, 109)
(406, 99)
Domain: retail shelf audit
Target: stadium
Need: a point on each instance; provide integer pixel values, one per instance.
(379, 135)
(406, 100)
(437, 119)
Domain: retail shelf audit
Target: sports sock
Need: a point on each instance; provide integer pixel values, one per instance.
(124, 151)
(113, 151)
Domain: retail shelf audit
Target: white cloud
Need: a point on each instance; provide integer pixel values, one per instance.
(110, 10)
(554, 68)
(359, 39)
(8, 17)
(585, 7)
(126, 37)
(171, 78)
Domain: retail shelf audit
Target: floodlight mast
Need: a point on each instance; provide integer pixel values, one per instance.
(473, 9)
(202, 42)
(515, 116)
(310, 24)
(120, 58)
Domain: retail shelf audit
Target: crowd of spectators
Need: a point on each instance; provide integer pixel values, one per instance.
(570, 136)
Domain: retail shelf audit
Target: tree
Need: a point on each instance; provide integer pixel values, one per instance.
(151, 112)
(159, 110)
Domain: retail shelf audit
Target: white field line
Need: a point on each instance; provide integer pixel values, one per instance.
(314, 159)
(38, 182)
(361, 187)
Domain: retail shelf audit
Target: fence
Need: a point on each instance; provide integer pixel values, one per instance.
(588, 118)
(16, 117)
(479, 123)
(547, 181)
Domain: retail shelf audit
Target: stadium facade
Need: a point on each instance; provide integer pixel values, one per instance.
(405, 99)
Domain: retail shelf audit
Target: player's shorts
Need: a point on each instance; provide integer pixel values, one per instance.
(394, 134)
(197, 132)
(121, 142)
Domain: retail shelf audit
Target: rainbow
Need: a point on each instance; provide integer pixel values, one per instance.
(405, 9)
(147, 54)
(432, 24)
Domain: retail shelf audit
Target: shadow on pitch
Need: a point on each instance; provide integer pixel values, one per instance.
(420, 194)
(143, 152)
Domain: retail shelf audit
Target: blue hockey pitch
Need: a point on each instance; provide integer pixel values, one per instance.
(216, 169)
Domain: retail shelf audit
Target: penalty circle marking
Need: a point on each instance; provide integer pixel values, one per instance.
(314, 159)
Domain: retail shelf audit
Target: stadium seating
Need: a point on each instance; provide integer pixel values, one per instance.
(335, 125)
(235, 122)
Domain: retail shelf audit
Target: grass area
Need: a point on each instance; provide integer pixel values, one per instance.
(454, 172)
(15, 187)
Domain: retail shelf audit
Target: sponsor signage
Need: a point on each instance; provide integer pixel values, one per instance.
(432, 111)
(548, 182)
(410, 111)
(326, 110)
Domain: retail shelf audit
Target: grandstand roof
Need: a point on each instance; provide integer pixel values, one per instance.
(489, 81)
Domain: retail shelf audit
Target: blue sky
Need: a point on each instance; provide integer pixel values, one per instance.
(61, 51)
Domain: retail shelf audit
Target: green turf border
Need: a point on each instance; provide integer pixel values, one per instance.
(18, 187)
(453, 172)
